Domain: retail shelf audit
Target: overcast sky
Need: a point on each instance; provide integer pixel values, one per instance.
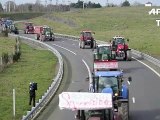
(102, 2)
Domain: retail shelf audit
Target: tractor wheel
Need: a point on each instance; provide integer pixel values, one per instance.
(82, 44)
(36, 37)
(129, 57)
(92, 44)
(124, 111)
(53, 39)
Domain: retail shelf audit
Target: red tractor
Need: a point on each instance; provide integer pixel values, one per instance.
(29, 28)
(120, 49)
(86, 38)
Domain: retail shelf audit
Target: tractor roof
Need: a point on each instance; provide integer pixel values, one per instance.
(87, 31)
(118, 36)
(45, 26)
(104, 45)
(28, 23)
(108, 73)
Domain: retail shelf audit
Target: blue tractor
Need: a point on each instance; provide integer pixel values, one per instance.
(114, 80)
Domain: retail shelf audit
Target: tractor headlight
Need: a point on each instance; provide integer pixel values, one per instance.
(116, 94)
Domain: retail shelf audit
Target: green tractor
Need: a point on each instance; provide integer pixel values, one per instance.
(47, 34)
(13, 29)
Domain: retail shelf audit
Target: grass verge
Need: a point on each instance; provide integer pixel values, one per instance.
(34, 65)
(6, 45)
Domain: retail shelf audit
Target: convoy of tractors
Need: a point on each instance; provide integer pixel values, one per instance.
(107, 78)
(108, 95)
(42, 33)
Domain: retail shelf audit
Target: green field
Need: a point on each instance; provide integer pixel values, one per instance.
(6, 45)
(35, 65)
(131, 22)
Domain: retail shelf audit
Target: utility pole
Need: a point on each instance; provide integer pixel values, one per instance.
(107, 4)
(9, 6)
(83, 5)
(14, 6)
(45, 3)
(56, 2)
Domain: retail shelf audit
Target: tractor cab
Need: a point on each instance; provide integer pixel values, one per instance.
(47, 30)
(29, 28)
(108, 79)
(13, 29)
(103, 52)
(8, 23)
(47, 34)
(120, 48)
(87, 39)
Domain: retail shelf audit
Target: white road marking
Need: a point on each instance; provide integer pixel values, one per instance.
(65, 49)
(133, 99)
(148, 67)
(128, 83)
(89, 71)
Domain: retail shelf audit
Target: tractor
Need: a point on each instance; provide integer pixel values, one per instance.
(120, 49)
(44, 33)
(106, 74)
(86, 38)
(13, 29)
(29, 28)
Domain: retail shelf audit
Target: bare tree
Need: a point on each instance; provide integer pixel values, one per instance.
(10, 6)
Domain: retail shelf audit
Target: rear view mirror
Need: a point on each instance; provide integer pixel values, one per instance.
(129, 79)
(87, 79)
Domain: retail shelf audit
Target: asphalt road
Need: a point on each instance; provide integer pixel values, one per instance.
(144, 88)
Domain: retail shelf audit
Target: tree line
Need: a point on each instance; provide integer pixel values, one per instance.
(80, 4)
(10, 6)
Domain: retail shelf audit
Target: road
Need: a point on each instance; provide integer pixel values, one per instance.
(144, 88)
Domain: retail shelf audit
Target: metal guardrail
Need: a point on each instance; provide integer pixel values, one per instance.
(135, 52)
(56, 81)
(146, 57)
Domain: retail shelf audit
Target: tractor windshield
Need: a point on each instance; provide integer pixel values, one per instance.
(104, 50)
(120, 41)
(47, 29)
(87, 34)
(29, 24)
(105, 82)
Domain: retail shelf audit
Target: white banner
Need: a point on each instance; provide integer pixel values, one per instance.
(85, 101)
(106, 65)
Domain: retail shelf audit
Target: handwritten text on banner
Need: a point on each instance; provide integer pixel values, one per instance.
(84, 100)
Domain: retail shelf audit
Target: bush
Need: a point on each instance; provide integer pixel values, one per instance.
(16, 56)
(17, 53)
(4, 33)
(5, 57)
